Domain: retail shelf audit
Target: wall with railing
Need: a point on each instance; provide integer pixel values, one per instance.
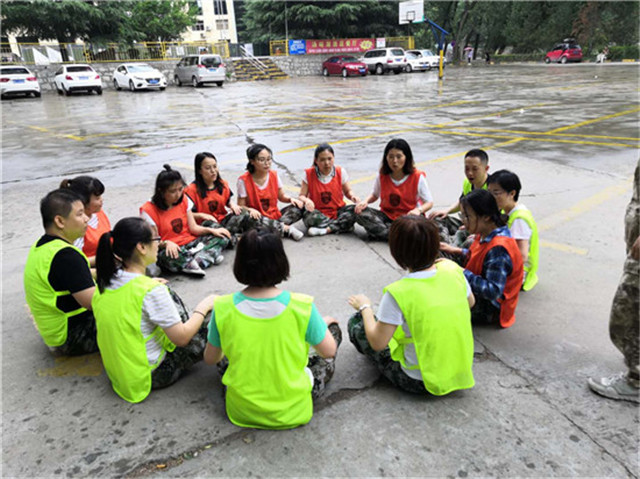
(335, 46)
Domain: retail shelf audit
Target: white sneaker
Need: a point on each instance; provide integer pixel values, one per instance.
(193, 268)
(294, 233)
(218, 259)
(313, 231)
(615, 387)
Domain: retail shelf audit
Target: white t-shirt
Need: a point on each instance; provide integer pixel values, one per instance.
(519, 228)
(424, 194)
(324, 179)
(242, 189)
(158, 309)
(390, 313)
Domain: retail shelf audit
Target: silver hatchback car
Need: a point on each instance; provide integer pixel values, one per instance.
(200, 69)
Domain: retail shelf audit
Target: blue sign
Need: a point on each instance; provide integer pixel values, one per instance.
(297, 47)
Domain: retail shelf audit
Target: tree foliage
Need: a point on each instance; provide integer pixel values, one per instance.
(98, 22)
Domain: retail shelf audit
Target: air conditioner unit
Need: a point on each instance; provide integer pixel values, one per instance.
(202, 35)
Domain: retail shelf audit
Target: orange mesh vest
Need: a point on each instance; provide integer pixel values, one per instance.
(265, 201)
(172, 223)
(92, 235)
(326, 197)
(396, 201)
(212, 204)
(514, 281)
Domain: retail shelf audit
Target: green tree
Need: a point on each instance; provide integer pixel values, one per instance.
(158, 20)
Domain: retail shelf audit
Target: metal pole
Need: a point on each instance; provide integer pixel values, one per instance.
(286, 29)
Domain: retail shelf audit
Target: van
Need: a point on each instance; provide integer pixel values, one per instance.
(200, 69)
(383, 60)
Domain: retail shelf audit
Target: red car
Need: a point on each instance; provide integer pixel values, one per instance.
(343, 65)
(564, 52)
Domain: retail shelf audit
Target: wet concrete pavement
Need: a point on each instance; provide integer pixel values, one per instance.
(570, 132)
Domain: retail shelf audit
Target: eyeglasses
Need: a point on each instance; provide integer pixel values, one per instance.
(156, 238)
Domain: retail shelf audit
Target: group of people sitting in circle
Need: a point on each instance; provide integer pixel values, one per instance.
(89, 287)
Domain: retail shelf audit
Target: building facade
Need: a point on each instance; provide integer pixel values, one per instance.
(215, 22)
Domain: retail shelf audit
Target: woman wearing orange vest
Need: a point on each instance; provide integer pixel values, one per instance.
(494, 265)
(211, 199)
(186, 246)
(259, 190)
(91, 190)
(402, 190)
(322, 193)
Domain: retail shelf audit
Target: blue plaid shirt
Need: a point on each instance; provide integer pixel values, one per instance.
(496, 268)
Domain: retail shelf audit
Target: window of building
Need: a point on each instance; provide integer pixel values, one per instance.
(222, 24)
(220, 7)
(197, 4)
(199, 26)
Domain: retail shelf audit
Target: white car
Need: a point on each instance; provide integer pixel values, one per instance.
(137, 76)
(429, 57)
(16, 80)
(72, 78)
(416, 63)
(383, 60)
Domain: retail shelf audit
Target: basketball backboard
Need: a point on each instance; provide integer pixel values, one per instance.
(411, 12)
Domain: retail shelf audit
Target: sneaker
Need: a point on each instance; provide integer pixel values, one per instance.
(196, 249)
(218, 259)
(313, 231)
(193, 268)
(294, 233)
(615, 387)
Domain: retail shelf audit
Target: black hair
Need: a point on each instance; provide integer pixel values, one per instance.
(477, 153)
(57, 203)
(164, 180)
(200, 186)
(116, 247)
(252, 153)
(507, 180)
(85, 186)
(403, 146)
(319, 149)
(414, 242)
(484, 204)
(260, 258)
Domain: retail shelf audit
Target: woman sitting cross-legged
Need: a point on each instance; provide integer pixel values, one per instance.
(422, 338)
(265, 334)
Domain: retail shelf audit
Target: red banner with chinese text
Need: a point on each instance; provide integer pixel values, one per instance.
(340, 46)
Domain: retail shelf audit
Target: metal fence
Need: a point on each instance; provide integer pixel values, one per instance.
(281, 47)
(37, 54)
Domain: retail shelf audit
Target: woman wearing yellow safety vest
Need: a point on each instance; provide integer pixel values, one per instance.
(145, 335)
(265, 334)
(421, 340)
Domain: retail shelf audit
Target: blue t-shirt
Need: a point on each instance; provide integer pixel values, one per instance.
(265, 308)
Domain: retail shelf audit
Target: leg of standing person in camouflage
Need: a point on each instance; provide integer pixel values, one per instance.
(183, 358)
(323, 369)
(81, 338)
(390, 369)
(375, 222)
(174, 265)
(291, 214)
(624, 323)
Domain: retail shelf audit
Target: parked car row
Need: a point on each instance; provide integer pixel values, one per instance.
(380, 61)
(195, 70)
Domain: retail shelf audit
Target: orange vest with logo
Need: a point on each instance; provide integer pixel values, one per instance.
(265, 201)
(396, 201)
(92, 235)
(327, 197)
(514, 281)
(172, 223)
(212, 204)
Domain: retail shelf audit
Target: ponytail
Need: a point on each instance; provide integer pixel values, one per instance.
(105, 261)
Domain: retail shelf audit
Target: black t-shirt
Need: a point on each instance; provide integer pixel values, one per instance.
(69, 272)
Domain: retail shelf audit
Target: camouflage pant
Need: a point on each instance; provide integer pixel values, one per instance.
(450, 233)
(483, 312)
(375, 222)
(183, 358)
(624, 322)
(81, 337)
(238, 224)
(205, 254)
(342, 224)
(322, 369)
(390, 369)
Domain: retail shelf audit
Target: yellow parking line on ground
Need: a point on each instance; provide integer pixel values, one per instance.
(565, 248)
(127, 150)
(595, 120)
(89, 365)
(583, 206)
(417, 108)
(488, 115)
(544, 133)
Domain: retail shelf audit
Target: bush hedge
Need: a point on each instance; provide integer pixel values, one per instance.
(624, 52)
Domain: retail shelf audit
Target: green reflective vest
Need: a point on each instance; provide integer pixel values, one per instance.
(41, 297)
(267, 386)
(118, 314)
(437, 313)
(467, 187)
(531, 265)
